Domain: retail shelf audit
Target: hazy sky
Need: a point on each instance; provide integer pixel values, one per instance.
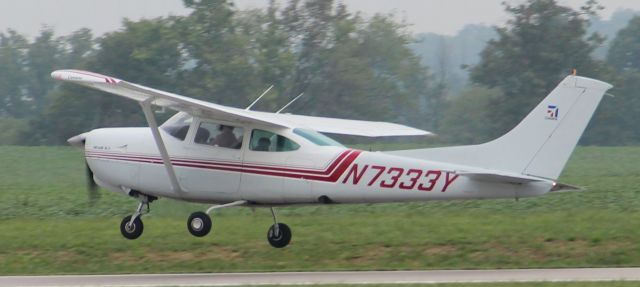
(439, 16)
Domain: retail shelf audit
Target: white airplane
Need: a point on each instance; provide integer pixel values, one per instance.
(226, 156)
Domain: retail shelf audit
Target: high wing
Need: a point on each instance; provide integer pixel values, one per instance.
(209, 110)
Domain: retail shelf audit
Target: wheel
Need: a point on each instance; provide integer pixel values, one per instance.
(131, 231)
(281, 239)
(199, 224)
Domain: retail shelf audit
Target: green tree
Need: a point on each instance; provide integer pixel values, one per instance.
(624, 54)
(348, 66)
(42, 58)
(144, 52)
(616, 121)
(218, 60)
(77, 49)
(13, 74)
(539, 46)
(464, 121)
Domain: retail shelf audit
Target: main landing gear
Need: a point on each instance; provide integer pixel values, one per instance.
(131, 226)
(199, 224)
(279, 234)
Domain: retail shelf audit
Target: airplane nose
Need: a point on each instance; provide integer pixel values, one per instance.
(78, 141)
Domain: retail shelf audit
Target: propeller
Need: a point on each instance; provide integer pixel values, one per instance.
(92, 186)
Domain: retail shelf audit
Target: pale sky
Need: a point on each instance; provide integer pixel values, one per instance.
(439, 16)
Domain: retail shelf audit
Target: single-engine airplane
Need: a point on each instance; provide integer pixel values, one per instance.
(226, 156)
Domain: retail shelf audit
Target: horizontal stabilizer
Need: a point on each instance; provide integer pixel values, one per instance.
(561, 187)
(497, 177)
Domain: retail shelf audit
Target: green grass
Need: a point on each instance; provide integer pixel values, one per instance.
(558, 284)
(555, 284)
(47, 226)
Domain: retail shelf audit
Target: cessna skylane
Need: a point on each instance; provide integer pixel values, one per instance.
(225, 156)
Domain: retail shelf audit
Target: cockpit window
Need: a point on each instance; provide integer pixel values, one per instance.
(262, 140)
(178, 125)
(316, 137)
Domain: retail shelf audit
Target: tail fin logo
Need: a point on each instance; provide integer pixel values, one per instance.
(552, 112)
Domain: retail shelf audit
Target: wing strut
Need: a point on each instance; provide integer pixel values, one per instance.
(151, 119)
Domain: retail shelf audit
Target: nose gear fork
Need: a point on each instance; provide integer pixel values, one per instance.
(144, 200)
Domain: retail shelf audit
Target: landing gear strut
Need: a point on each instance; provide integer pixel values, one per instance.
(279, 234)
(131, 226)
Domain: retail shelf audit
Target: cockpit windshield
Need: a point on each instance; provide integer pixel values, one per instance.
(316, 137)
(178, 125)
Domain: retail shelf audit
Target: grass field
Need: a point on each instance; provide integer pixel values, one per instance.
(562, 284)
(47, 226)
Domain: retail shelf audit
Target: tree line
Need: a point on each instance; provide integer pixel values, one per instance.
(347, 65)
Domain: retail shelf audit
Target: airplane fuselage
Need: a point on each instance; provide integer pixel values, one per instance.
(126, 159)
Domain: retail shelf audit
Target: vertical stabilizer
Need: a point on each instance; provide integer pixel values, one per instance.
(542, 143)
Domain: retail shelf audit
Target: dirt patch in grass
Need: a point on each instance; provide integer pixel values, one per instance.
(440, 250)
(368, 255)
(219, 253)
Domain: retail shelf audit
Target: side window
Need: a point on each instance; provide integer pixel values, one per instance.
(178, 125)
(219, 135)
(267, 141)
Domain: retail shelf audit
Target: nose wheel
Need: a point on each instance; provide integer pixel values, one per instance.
(131, 226)
(199, 224)
(131, 229)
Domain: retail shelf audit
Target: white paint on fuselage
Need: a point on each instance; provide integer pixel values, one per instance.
(125, 159)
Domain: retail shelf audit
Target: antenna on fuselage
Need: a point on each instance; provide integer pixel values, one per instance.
(260, 97)
(289, 103)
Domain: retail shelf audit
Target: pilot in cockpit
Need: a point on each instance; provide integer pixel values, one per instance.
(226, 138)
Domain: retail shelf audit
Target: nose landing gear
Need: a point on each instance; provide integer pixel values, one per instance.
(131, 226)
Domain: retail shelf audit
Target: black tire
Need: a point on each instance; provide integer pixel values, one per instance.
(134, 231)
(199, 224)
(281, 239)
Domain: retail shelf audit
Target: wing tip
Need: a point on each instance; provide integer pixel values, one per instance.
(82, 77)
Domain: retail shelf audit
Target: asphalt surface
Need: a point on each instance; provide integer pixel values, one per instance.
(368, 277)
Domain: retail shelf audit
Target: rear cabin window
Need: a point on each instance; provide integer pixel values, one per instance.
(219, 135)
(262, 140)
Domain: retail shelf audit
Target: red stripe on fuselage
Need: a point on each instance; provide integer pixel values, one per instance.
(227, 164)
(331, 174)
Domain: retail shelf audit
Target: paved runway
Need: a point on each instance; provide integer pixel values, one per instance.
(368, 277)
